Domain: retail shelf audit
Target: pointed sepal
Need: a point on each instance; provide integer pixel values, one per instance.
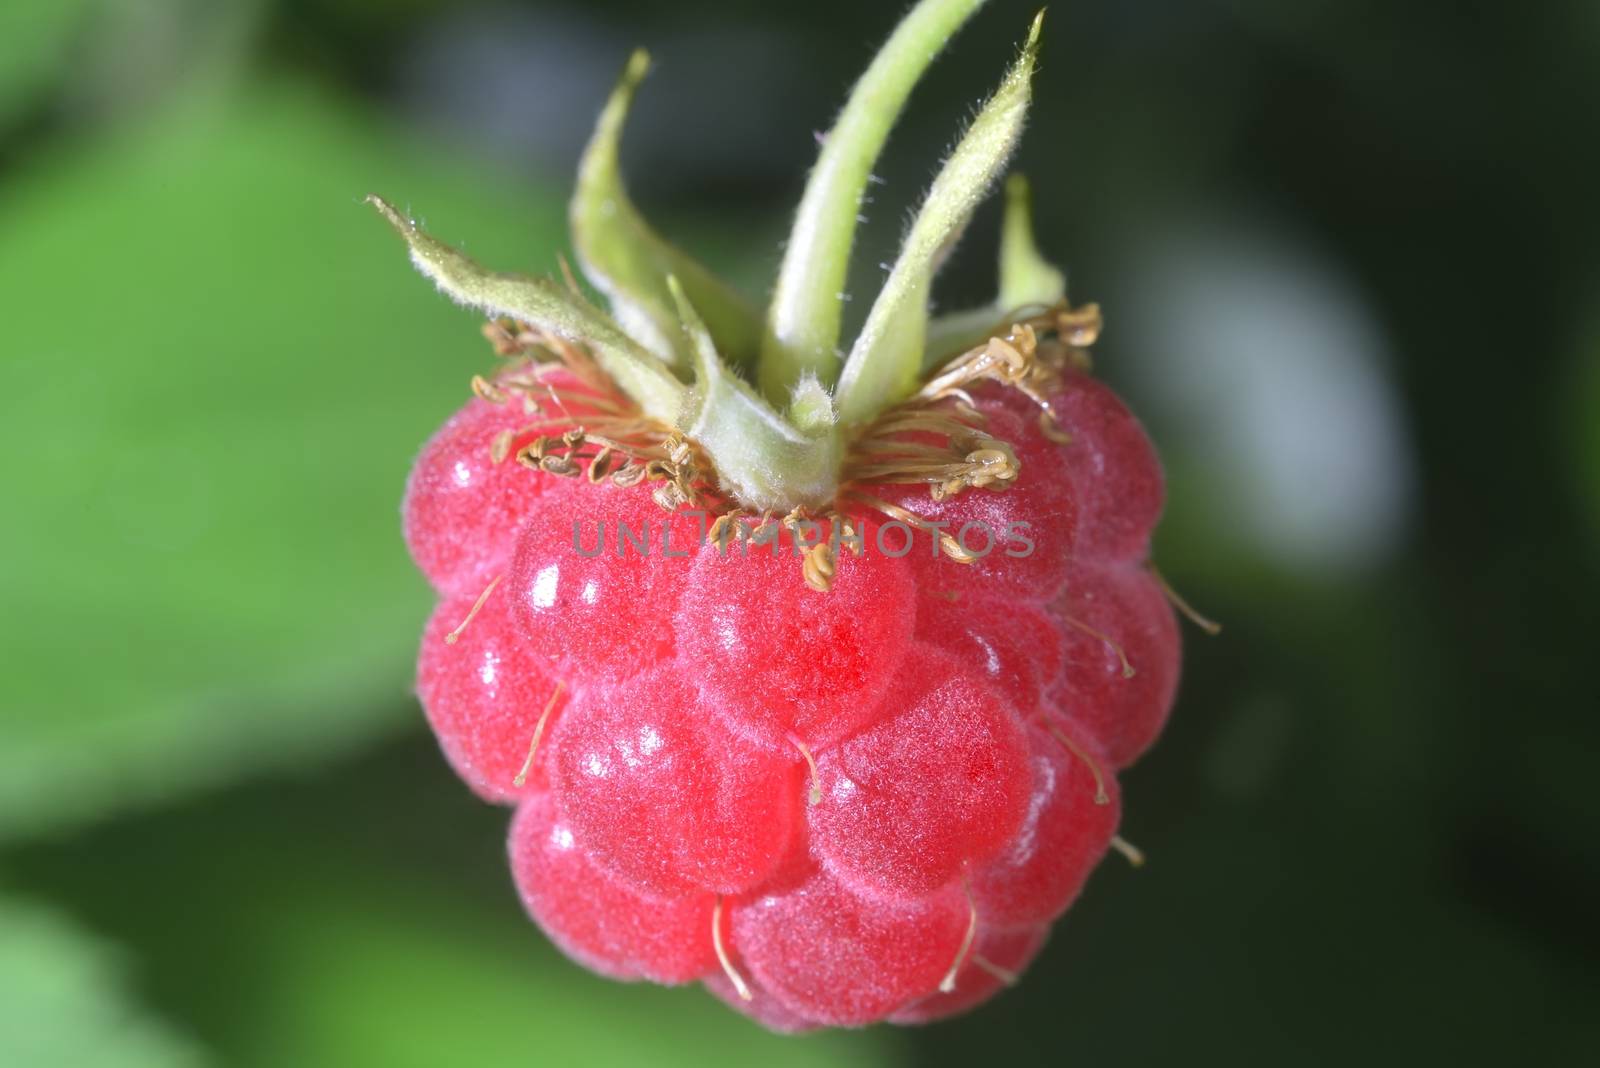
(886, 360)
(547, 305)
(1028, 283)
(629, 262)
(803, 319)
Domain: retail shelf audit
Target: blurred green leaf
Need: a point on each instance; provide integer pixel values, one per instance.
(213, 388)
(63, 1003)
(388, 979)
(34, 38)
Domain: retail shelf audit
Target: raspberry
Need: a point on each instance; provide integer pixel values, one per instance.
(1017, 646)
(998, 959)
(485, 695)
(664, 798)
(760, 1006)
(1107, 457)
(462, 507)
(589, 566)
(843, 960)
(1023, 535)
(1072, 814)
(1121, 669)
(851, 765)
(596, 919)
(911, 801)
(751, 625)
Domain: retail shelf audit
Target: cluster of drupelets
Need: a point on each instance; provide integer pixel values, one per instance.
(833, 807)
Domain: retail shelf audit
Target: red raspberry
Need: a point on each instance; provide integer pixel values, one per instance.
(1106, 456)
(750, 624)
(1017, 646)
(998, 959)
(462, 507)
(760, 1006)
(1121, 670)
(1023, 535)
(913, 800)
(1072, 814)
(597, 575)
(834, 782)
(844, 960)
(596, 919)
(665, 798)
(485, 695)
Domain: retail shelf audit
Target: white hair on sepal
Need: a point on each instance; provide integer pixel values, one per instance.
(810, 404)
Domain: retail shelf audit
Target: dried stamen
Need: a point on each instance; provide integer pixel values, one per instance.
(1100, 635)
(1134, 854)
(1100, 795)
(817, 567)
(948, 983)
(947, 542)
(739, 985)
(719, 532)
(950, 452)
(961, 457)
(1005, 975)
(453, 636)
(1052, 429)
(538, 732)
(500, 447)
(488, 390)
(1210, 626)
(811, 763)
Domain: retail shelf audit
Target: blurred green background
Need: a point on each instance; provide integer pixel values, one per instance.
(1350, 259)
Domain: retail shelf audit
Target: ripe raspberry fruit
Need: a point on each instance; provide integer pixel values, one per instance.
(811, 690)
(1106, 455)
(821, 664)
(843, 960)
(998, 959)
(1017, 646)
(598, 920)
(578, 587)
(1019, 540)
(1120, 673)
(1072, 813)
(485, 694)
(462, 508)
(662, 795)
(914, 800)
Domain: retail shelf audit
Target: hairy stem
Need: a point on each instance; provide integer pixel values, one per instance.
(803, 319)
(886, 360)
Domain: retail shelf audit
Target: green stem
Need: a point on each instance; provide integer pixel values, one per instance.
(803, 319)
(886, 360)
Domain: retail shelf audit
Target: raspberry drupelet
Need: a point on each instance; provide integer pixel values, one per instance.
(809, 681)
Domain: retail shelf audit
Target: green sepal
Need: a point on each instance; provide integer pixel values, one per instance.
(629, 262)
(766, 463)
(1027, 282)
(547, 305)
(803, 320)
(886, 360)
